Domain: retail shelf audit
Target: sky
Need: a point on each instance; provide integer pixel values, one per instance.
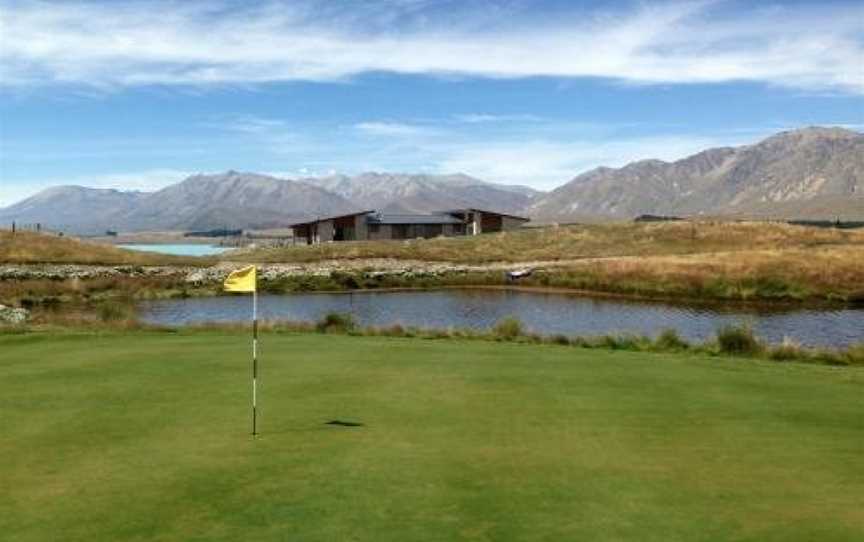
(139, 94)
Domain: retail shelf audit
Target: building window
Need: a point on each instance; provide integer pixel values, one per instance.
(374, 228)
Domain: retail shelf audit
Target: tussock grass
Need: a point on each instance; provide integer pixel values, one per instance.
(825, 273)
(30, 247)
(574, 242)
(696, 260)
(508, 328)
(738, 340)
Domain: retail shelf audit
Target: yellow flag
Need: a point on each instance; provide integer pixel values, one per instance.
(242, 280)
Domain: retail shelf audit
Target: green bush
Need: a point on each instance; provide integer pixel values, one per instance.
(561, 339)
(508, 328)
(334, 322)
(738, 339)
(670, 340)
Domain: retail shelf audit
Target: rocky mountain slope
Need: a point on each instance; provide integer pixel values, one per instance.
(233, 200)
(779, 176)
(402, 193)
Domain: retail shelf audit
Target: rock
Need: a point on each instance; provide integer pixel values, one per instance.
(13, 316)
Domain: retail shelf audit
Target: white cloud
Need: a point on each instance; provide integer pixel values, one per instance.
(249, 124)
(199, 43)
(481, 118)
(394, 129)
(544, 164)
(13, 191)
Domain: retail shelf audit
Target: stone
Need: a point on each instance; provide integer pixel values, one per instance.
(13, 316)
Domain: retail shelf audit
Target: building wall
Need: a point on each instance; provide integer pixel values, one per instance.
(325, 232)
(510, 223)
(476, 227)
(382, 233)
(361, 230)
(385, 232)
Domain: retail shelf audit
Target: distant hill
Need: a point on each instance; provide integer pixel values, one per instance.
(233, 200)
(249, 200)
(74, 207)
(791, 174)
(201, 202)
(395, 192)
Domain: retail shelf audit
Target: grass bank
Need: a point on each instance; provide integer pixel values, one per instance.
(34, 248)
(736, 340)
(574, 242)
(699, 260)
(679, 260)
(144, 436)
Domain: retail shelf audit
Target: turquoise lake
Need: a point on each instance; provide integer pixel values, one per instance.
(179, 249)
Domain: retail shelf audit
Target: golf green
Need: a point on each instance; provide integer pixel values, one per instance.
(145, 436)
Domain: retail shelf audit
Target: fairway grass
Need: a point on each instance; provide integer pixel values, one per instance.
(145, 436)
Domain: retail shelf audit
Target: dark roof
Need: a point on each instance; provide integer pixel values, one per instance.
(413, 219)
(323, 218)
(485, 211)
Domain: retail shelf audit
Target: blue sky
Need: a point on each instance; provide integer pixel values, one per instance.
(139, 94)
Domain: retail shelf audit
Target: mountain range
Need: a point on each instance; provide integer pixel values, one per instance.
(807, 173)
(790, 174)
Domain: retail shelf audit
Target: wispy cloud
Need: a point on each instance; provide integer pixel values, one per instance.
(248, 124)
(546, 164)
(481, 118)
(113, 44)
(394, 129)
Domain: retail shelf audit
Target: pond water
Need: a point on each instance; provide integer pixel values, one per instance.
(541, 312)
(179, 249)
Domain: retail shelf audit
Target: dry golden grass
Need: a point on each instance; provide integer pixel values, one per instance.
(819, 273)
(28, 247)
(575, 242)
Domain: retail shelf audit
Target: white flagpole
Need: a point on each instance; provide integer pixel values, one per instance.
(254, 362)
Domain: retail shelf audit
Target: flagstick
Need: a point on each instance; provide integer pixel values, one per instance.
(254, 362)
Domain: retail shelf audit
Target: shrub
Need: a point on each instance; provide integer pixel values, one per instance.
(508, 328)
(856, 354)
(336, 322)
(560, 339)
(395, 330)
(787, 351)
(115, 311)
(738, 340)
(670, 340)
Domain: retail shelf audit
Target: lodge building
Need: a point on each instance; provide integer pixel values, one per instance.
(374, 225)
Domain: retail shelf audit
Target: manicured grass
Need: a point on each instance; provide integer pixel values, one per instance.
(144, 436)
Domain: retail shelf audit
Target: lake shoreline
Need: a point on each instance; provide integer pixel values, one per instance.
(384, 275)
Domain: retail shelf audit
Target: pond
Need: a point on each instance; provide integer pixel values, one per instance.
(179, 249)
(541, 312)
